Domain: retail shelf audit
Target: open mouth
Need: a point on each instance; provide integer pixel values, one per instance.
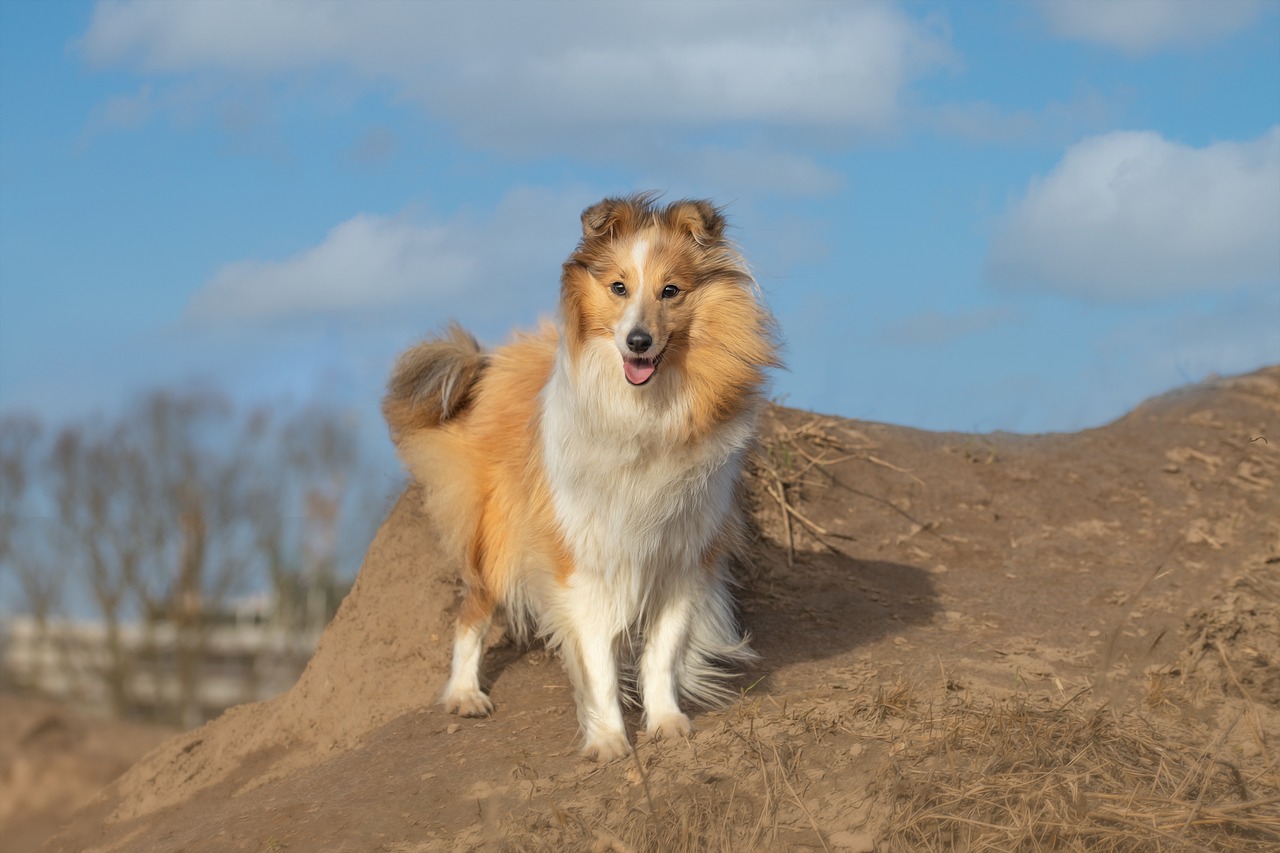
(640, 370)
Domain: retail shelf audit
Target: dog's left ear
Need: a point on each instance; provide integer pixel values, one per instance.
(699, 219)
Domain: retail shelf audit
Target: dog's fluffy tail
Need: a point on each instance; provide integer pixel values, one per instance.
(433, 382)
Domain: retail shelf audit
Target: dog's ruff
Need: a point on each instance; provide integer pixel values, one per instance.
(586, 476)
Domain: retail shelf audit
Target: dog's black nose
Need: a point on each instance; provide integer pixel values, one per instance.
(639, 340)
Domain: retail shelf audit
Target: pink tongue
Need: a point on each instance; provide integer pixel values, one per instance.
(638, 372)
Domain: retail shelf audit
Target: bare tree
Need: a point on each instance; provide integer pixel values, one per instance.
(26, 540)
(153, 507)
(167, 512)
(194, 474)
(88, 475)
(39, 578)
(320, 447)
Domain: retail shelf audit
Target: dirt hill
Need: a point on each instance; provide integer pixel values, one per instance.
(968, 642)
(53, 760)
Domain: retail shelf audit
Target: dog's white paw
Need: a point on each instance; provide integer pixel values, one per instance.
(468, 703)
(669, 726)
(606, 746)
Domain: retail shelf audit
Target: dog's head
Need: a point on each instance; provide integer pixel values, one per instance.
(657, 281)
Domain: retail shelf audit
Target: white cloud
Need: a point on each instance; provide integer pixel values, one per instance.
(935, 328)
(520, 72)
(377, 145)
(722, 171)
(1143, 26)
(1056, 122)
(1132, 215)
(366, 262)
(373, 264)
(124, 112)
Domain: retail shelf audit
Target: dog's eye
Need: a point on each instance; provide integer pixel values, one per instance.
(618, 288)
(670, 291)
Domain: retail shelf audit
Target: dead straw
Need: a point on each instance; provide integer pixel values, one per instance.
(1015, 776)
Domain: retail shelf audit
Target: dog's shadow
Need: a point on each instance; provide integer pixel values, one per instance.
(823, 604)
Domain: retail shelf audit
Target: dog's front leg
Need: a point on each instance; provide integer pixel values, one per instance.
(595, 674)
(665, 642)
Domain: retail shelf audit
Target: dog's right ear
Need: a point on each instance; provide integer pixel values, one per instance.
(602, 219)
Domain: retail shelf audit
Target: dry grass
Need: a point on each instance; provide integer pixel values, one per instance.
(956, 775)
(787, 463)
(740, 785)
(1019, 777)
(792, 462)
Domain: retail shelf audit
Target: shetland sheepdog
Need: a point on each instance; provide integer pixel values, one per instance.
(586, 475)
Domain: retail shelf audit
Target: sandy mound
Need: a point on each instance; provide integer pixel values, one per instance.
(53, 760)
(969, 642)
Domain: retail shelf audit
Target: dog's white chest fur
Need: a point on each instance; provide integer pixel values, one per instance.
(637, 508)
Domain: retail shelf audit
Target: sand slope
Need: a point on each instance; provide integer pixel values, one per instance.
(928, 603)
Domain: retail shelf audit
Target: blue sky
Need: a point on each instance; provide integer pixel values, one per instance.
(968, 215)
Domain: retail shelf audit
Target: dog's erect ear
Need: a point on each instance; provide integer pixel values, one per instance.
(602, 219)
(699, 219)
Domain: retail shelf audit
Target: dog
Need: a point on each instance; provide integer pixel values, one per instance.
(587, 475)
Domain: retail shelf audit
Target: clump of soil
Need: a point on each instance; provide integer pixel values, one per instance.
(969, 642)
(1241, 625)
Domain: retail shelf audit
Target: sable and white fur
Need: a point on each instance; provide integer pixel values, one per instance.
(586, 475)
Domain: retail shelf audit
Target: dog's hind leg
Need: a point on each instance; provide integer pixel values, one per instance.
(462, 695)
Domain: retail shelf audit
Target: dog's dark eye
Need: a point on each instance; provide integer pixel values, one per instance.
(670, 291)
(618, 288)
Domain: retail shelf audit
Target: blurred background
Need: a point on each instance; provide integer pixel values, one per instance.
(219, 222)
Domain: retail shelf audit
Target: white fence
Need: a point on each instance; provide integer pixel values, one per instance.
(241, 661)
